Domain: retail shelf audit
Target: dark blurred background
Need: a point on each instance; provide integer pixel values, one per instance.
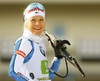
(75, 20)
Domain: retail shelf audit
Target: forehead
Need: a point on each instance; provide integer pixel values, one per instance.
(37, 17)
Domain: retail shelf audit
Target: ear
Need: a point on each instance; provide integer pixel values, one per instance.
(26, 25)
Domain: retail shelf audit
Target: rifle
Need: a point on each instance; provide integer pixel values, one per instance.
(64, 53)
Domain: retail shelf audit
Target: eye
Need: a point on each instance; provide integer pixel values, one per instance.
(32, 19)
(41, 19)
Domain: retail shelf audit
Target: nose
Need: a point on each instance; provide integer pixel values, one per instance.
(37, 23)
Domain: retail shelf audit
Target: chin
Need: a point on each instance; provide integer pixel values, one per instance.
(37, 34)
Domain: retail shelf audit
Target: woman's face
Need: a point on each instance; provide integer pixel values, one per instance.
(35, 25)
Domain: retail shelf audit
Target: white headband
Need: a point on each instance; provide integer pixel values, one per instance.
(34, 12)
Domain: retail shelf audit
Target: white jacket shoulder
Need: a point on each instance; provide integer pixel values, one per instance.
(25, 45)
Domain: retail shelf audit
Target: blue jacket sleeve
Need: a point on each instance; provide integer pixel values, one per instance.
(16, 63)
(12, 73)
(54, 67)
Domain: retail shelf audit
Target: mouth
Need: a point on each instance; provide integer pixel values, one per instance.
(37, 28)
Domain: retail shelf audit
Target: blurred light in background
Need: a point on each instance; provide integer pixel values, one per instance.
(6, 49)
(59, 30)
(89, 49)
